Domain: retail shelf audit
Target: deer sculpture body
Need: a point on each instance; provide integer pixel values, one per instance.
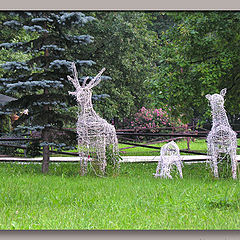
(170, 155)
(95, 134)
(221, 139)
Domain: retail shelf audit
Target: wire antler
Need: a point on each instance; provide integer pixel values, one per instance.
(96, 80)
(74, 80)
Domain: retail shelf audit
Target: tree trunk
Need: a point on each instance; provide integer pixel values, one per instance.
(45, 132)
(45, 161)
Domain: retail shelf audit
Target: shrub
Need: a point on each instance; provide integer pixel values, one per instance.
(154, 118)
(33, 149)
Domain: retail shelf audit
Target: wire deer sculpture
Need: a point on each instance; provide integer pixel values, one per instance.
(95, 134)
(221, 138)
(170, 155)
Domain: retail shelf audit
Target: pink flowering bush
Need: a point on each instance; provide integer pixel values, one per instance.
(154, 118)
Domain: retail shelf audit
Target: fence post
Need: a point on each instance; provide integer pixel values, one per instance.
(45, 161)
(188, 138)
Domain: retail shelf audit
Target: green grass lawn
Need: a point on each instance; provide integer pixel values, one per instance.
(132, 200)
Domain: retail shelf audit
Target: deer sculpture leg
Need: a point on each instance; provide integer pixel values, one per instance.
(112, 148)
(159, 166)
(214, 164)
(179, 167)
(168, 171)
(112, 145)
(115, 151)
(100, 165)
(165, 169)
(234, 163)
(83, 149)
(213, 153)
(83, 158)
(99, 162)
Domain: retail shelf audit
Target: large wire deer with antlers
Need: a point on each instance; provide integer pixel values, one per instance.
(95, 134)
(221, 138)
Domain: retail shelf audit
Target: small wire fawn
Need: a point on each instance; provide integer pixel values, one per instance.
(95, 134)
(170, 155)
(221, 138)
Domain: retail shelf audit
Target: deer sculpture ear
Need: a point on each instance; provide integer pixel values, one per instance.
(69, 78)
(223, 92)
(208, 96)
(72, 93)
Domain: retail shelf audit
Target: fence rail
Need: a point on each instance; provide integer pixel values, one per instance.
(125, 159)
(162, 134)
(123, 135)
(158, 148)
(19, 139)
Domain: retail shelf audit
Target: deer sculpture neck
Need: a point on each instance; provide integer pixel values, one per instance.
(219, 115)
(86, 107)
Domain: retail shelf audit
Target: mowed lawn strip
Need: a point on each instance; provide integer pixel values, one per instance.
(132, 200)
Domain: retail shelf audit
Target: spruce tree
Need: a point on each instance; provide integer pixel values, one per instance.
(41, 82)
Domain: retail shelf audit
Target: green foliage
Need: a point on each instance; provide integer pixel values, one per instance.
(159, 22)
(10, 35)
(122, 43)
(5, 128)
(198, 55)
(5, 124)
(33, 149)
(127, 49)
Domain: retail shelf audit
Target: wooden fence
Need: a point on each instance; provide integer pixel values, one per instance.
(123, 136)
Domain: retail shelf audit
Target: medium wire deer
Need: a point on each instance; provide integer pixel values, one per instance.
(221, 138)
(95, 134)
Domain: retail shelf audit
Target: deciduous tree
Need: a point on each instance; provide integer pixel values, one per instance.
(198, 55)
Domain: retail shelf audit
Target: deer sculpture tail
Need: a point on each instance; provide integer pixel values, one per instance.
(115, 150)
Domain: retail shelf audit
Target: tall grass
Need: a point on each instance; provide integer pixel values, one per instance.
(132, 200)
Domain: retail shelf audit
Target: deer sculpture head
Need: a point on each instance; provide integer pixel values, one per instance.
(83, 93)
(217, 100)
(170, 149)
